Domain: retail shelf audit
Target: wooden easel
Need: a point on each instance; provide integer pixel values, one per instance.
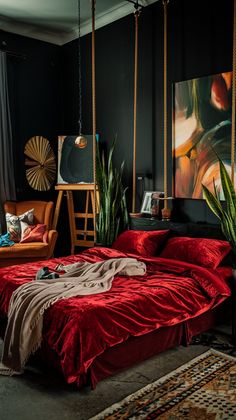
(68, 189)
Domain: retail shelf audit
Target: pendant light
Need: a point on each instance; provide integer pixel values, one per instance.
(80, 140)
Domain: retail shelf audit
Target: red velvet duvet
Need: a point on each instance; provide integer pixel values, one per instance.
(81, 328)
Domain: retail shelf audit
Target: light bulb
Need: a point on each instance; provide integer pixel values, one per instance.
(80, 142)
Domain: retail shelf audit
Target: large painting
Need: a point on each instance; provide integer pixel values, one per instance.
(202, 120)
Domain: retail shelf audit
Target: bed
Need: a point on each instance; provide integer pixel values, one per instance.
(88, 338)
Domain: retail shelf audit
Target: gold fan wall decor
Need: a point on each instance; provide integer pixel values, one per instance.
(41, 163)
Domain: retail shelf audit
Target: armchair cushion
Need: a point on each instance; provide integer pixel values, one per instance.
(33, 233)
(14, 223)
(29, 250)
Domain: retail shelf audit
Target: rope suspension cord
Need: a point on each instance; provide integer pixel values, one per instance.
(165, 2)
(136, 16)
(80, 139)
(233, 97)
(94, 117)
(80, 76)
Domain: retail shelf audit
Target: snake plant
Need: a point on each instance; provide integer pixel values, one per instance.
(226, 212)
(113, 214)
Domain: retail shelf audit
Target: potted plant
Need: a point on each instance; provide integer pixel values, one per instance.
(226, 212)
(113, 214)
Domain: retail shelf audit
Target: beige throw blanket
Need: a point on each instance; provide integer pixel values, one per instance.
(27, 305)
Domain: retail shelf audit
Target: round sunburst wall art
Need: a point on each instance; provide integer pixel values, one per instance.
(40, 162)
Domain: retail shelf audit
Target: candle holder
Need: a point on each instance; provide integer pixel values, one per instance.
(166, 214)
(166, 211)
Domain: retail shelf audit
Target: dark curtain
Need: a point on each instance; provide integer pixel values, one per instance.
(7, 178)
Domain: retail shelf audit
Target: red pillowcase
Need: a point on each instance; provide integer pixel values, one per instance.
(141, 242)
(200, 251)
(35, 233)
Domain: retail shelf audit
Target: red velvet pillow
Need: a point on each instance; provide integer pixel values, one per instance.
(200, 251)
(34, 233)
(141, 242)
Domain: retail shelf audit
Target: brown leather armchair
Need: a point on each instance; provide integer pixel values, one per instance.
(21, 253)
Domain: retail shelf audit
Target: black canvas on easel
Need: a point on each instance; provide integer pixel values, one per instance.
(75, 163)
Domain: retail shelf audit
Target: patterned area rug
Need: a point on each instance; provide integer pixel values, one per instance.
(204, 388)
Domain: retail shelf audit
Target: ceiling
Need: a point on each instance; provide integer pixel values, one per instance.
(56, 21)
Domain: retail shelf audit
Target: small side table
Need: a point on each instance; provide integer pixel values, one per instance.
(148, 223)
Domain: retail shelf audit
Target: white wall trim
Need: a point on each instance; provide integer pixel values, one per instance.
(60, 38)
(111, 15)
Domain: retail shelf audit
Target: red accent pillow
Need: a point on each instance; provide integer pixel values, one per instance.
(34, 233)
(141, 242)
(200, 251)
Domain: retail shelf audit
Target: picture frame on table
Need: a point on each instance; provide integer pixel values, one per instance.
(150, 201)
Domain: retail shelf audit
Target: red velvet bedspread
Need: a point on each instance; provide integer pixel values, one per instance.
(81, 328)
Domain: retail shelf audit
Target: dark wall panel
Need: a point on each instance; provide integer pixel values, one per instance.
(36, 101)
(199, 43)
(115, 89)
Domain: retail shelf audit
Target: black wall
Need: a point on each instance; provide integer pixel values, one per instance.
(114, 90)
(35, 84)
(45, 87)
(200, 41)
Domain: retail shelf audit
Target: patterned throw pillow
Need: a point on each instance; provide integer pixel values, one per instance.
(33, 233)
(13, 223)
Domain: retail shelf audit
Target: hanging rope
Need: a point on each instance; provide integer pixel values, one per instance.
(165, 2)
(136, 16)
(94, 119)
(80, 139)
(233, 97)
(80, 76)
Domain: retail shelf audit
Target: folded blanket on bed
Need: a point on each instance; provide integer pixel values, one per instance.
(25, 316)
